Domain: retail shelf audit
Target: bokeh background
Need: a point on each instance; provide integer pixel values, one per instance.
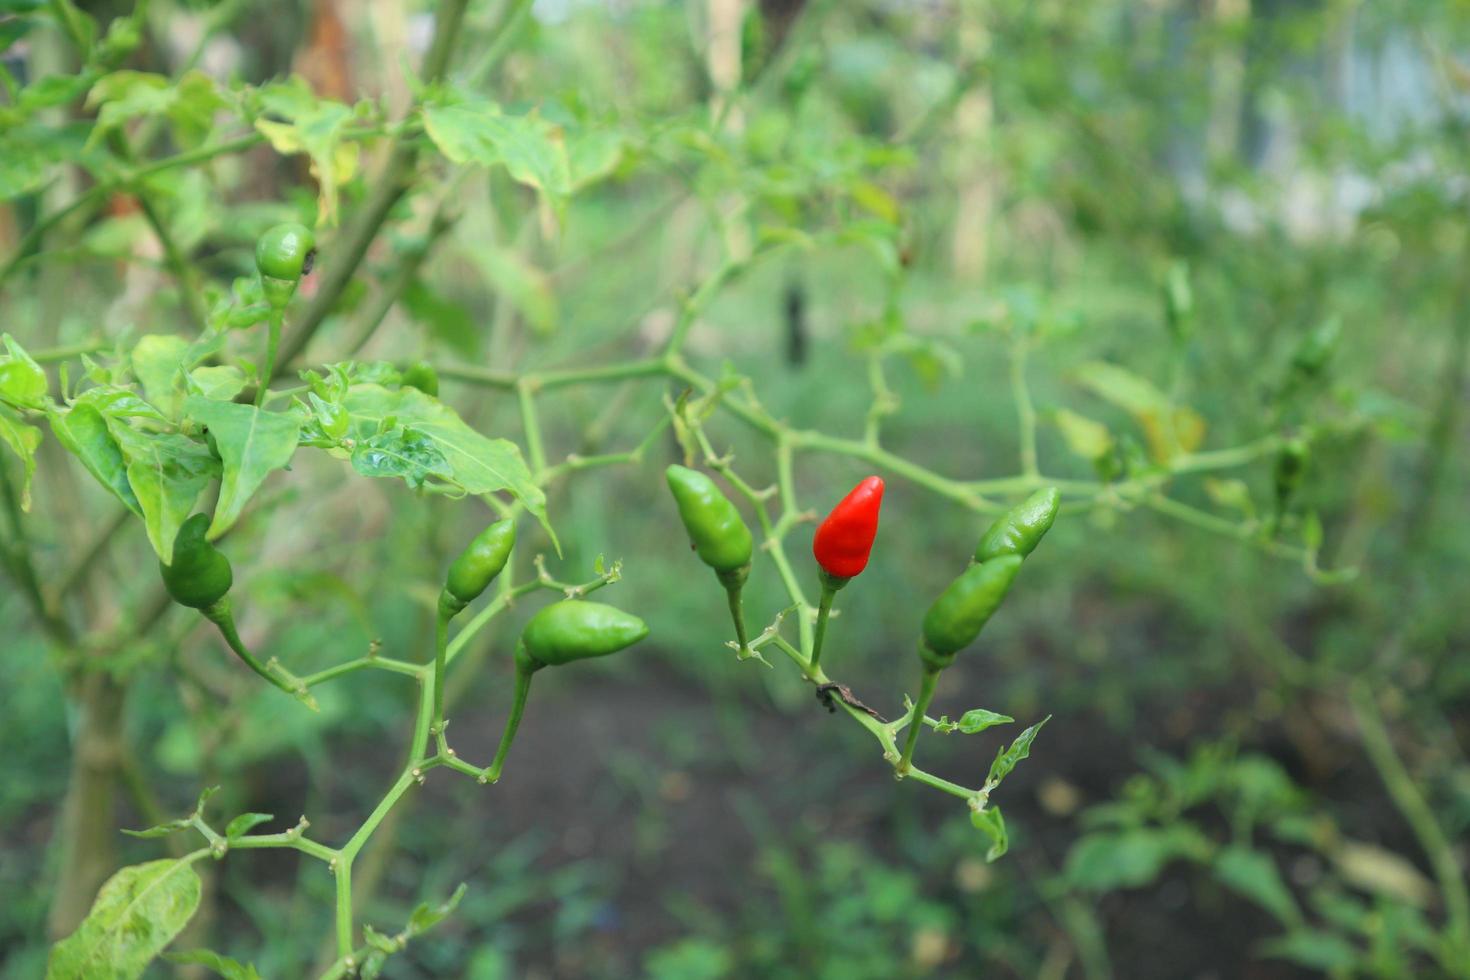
(1250, 770)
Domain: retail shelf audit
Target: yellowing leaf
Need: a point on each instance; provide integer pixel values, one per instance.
(1169, 430)
(1084, 437)
(138, 912)
(1383, 872)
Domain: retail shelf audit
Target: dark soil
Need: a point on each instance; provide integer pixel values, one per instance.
(636, 780)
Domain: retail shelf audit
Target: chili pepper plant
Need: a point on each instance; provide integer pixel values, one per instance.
(247, 361)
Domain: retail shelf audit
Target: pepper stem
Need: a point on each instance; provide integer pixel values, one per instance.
(737, 615)
(517, 708)
(441, 645)
(272, 344)
(220, 615)
(830, 584)
(916, 722)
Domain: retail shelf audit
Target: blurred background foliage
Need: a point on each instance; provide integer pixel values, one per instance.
(1248, 771)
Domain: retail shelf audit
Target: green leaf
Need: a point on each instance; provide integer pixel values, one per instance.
(23, 440)
(243, 824)
(427, 916)
(167, 473)
(33, 151)
(424, 917)
(971, 722)
(123, 95)
(22, 382)
(217, 383)
(1007, 759)
(79, 27)
(378, 941)
(252, 442)
(161, 830)
(532, 150)
(990, 821)
(137, 913)
(1131, 857)
(978, 719)
(84, 433)
(479, 465)
(1254, 875)
(592, 154)
(400, 452)
(117, 402)
(158, 362)
(210, 960)
(1315, 950)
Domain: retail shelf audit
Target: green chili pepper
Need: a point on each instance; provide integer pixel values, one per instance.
(953, 623)
(1179, 302)
(283, 255)
(1316, 349)
(716, 529)
(469, 576)
(1019, 530)
(573, 629)
(961, 611)
(199, 574)
(200, 577)
(476, 567)
(718, 534)
(1291, 465)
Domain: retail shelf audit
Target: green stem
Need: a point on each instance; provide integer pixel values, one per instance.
(737, 616)
(512, 15)
(219, 614)
(517, 708)
(926, 694)
(1025, 409)
(173, 255)
(362, 663)
(879, 730)
(285, 840)
(343, 872)
(66, 352)
(441, 645)
(404, 275)
(272, 345)
(824, 611)
(16, 555)
(1410, 802)
(535, 450)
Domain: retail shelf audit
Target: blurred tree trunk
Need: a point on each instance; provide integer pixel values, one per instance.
(1227, 77)
(973, 123)
(324, 61)
(87, 830)
(722, 64)
(390, 30)
(722, 52)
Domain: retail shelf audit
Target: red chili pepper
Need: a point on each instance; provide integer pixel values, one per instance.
(845, 538)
